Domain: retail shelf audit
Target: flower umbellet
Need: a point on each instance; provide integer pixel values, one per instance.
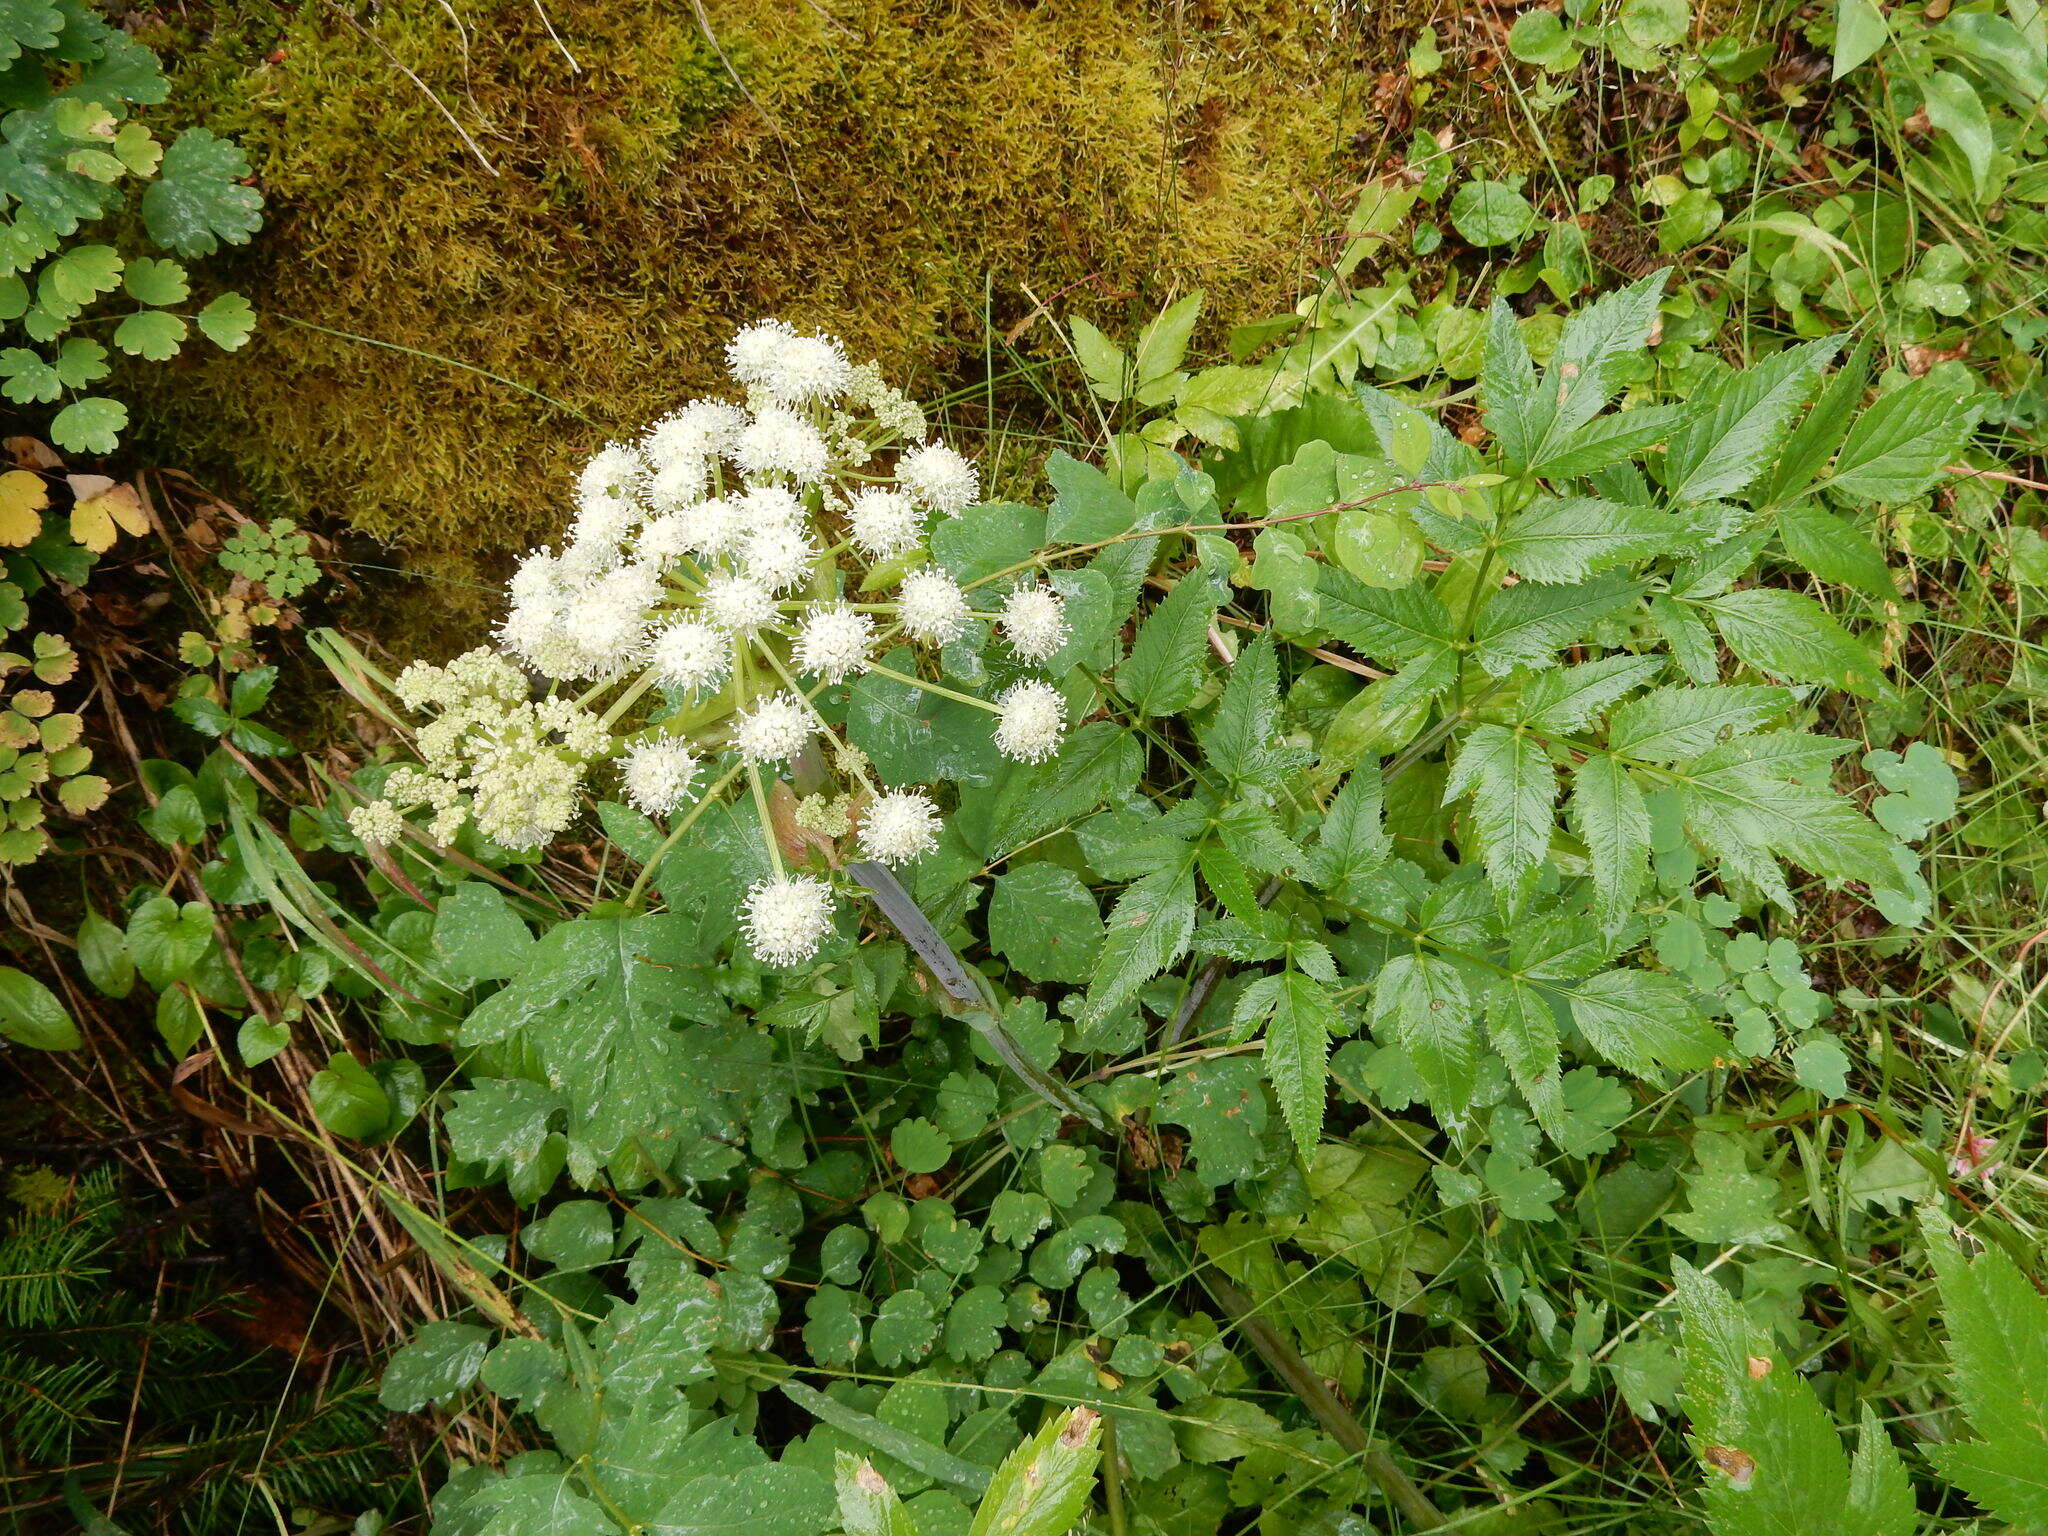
(735, 562)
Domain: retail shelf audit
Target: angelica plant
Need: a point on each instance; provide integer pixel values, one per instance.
(720, 575)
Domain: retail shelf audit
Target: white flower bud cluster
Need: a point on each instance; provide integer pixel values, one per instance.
(512, 765)
(719, 561)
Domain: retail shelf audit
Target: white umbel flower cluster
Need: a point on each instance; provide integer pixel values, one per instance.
(720, 573)
(1035, 623)
(787, 918)
(899, 826)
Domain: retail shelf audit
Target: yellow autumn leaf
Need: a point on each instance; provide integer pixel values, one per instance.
(22, 499)
(94, 518)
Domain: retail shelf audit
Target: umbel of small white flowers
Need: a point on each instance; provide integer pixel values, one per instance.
(708, 561)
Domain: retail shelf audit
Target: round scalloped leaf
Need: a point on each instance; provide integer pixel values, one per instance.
(156, 280)
(227, 321)
(151, 334)
(87, 792)
(23, 495)
(91, 425)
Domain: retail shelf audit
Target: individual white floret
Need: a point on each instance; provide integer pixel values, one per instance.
(690, 654)
(535, 580)
(780, 442)
(899, 826)
(778, 555)
(713, 527)
(884, 523)
(939, 478)
(770, 506)
(608, 489)
(834, 643)
(667, 537)
(1035, 623)
(586, 560)
(1033, 718)
(679, 482)
(607, 620)
(738, 603)
(657, 776)
(701, 430)
(787, 918)
(931, 607)
(773, 731)
(777, 358)
(377, 821)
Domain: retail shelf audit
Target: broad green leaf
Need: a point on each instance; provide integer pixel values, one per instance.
(1644, 1022)
(1514, 789)
(1729, 1204)
(1607, 813)
(1860, 30)
(1773, 1459)
(197, 201)
(1043, 1485)
(1044, 921)
(594, 1004)
(1490, 213)
(1422, 1004)
(1508, 390)
(441, 1360)
(1099, 762)
(1297, 1054)
(1789, 636)
(1398, 625)
(1834, 549)
(103, 956)
(1351, 842)
(478, 936)
(154, 280)
(986, 539)
(1164, 672)
(1672, 724)
(347, 1100)
(868, 1506)
(91, 425)
(1104, 364)
(31, 1015)
(1597, 343)
(1238, 740)
(1522, 1025)
(1740, 422)
(167, 940)
(1526, 625)
(1162, 346)
(1998, 1352)
(1566, 539)
(1953, 106)
(1898, 447)
(1814, 441)
(1148, 930)
(1086, 506)
(151, 334)
(1606, 439)
(227, 321)
(913, 736)
(1568, 699)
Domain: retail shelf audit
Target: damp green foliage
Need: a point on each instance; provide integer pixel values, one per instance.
(594, 231)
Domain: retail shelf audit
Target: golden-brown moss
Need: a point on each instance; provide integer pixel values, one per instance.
(880, 163)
